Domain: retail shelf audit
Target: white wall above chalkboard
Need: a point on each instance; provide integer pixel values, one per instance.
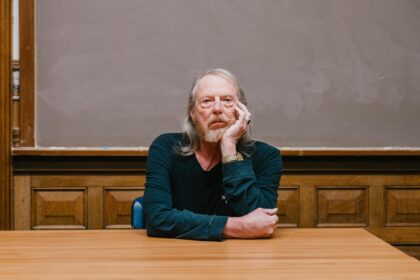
(317, 73)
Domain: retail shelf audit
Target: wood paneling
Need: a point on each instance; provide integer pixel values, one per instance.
(22, 202)
(75, 201)
(304, 201)
(342, 206)
(64, 181)
(5, 113)
(381, 200)
(403, 205)
(95, 208)
(57, 208)
(410, 250)
(118, 206)
(288, 206)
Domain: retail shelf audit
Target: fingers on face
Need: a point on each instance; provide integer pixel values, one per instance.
(242, 107)
(247, 115)
(243, 118)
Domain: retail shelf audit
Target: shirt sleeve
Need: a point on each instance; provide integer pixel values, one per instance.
(162, 220)
(250, 184)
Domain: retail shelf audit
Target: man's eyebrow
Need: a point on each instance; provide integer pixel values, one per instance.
(205, 96)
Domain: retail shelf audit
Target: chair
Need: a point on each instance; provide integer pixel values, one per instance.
(137, 213)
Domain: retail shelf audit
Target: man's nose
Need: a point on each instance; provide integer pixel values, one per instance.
(217, 107)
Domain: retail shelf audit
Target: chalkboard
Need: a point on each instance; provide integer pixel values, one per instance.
(317, 73)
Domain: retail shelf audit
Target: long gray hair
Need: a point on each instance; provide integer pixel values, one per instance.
(190, 129)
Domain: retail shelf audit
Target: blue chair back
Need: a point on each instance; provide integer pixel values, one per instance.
(137, 213)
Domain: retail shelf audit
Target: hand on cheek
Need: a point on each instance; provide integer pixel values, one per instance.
(235, 131)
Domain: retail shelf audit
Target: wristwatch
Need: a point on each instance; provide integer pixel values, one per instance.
(237, 157)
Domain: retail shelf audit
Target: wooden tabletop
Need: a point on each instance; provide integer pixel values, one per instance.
(130, 254)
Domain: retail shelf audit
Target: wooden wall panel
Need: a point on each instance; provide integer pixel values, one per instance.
(118, 206)
(95, 208)
(288, 206)
(402, 205)
(379, 193)
(5, 114)
(53, 181)
(22, 202)
(342, 206)
(386, 205)
(75, 201)
(411, 250)
(57, 208)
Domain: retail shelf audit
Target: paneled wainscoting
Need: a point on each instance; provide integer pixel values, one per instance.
(379, 193)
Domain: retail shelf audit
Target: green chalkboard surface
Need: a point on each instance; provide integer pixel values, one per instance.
(317, 73)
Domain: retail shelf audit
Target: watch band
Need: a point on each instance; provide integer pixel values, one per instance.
(230, 158)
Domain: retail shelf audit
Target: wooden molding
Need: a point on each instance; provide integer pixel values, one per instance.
(5, 112)
(143, 151)
(374, 151)
(27, 72)
(32, 151)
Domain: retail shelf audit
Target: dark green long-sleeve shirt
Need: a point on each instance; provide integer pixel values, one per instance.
(184, 201)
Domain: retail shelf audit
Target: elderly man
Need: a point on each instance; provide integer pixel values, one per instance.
(212, 181)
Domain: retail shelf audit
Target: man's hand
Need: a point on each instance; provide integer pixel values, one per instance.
(259, 223)
(235, 131)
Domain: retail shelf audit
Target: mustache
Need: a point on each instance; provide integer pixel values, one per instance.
(219, 118)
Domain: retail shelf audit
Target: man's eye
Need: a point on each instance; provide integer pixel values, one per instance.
(205, 101)
(227, 100)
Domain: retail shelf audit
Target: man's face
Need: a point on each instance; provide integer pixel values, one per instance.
(214, 109)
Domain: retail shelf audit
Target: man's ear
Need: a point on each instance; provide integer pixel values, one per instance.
(192, 115)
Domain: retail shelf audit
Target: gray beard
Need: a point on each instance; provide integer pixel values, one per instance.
(214, 136)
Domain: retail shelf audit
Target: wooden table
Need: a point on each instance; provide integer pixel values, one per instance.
(130, 254)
